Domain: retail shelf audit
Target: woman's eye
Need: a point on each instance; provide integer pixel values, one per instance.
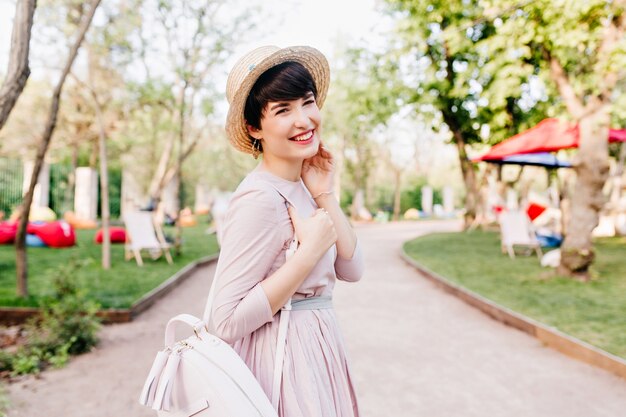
(281, 111)
(309, 101)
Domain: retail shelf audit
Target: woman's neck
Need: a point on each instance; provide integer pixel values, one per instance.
(288, 170)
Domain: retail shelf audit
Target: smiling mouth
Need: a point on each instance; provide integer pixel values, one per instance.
(303, 137)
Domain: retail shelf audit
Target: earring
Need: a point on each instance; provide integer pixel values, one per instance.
(256, 148)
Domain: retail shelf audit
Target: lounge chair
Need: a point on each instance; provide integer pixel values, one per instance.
(143, 233)
(516, 230)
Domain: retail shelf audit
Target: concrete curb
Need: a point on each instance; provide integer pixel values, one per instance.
(549, 336)
(17, 315)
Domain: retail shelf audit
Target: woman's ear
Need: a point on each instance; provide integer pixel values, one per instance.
(254, 132)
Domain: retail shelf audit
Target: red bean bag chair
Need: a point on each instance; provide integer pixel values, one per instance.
(8, 230)
(58, 234)
(534, 210)
(117, 234)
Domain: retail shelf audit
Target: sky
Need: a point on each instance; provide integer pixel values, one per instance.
(318, 23)
(7, 10)
(315, 23)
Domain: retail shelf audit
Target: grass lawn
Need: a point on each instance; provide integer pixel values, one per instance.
(119, 287)
(594, 312)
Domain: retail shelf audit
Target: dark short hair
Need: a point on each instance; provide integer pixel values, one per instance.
(287, 81)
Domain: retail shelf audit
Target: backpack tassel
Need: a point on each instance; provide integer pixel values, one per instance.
(163, 394)
(150, 386)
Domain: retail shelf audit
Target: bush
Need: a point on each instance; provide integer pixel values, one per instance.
(412, 198)
(6, 361)
(68, 326)
(67, 315)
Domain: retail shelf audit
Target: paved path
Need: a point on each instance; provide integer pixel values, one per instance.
(415, 351)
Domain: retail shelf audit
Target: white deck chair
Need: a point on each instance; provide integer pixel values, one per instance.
(516, 230)
(144, 234)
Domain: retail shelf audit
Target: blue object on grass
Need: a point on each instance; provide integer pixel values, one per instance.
(549, 240)
(34, 241)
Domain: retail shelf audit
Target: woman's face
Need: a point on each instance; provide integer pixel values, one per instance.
(289, 129)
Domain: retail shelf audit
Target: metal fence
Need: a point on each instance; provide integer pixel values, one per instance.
(61, 198)
(11, 179)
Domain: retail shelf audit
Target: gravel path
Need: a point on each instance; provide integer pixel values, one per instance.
(415, 351)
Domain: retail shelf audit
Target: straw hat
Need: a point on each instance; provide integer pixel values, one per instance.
(248, 69)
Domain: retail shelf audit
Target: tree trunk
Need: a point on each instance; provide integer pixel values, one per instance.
(469, 176)
(577, 252)
(104, 192)
(450, 119)
(158, 180)
(397, 194)
(68, 198)
(95, 152)
(20, 239)
(592, 169)
(18, 70)
(179, 167)
(105, 211)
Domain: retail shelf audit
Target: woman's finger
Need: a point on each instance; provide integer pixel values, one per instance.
(293, 213)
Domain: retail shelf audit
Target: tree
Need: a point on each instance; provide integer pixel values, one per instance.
(101, 86)
(197, 41)
(105, 210)
(18, 70)
(364, 97)
(581, 49)
(449, 78)
(20, 240)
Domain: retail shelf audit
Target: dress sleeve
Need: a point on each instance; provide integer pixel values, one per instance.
(350, 269)
(251, 241)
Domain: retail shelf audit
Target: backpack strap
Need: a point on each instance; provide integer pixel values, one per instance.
(283, 323)
(281, 340)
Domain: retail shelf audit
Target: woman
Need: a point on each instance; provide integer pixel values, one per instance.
(275, 97)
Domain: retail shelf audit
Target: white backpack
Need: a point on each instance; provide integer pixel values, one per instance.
(202, 376)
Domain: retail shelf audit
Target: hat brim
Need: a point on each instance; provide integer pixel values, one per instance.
(312, 59)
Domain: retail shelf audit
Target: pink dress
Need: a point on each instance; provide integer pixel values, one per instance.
(257, 231)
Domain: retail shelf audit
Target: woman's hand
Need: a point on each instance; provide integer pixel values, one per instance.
(318, 172)
(316, 234)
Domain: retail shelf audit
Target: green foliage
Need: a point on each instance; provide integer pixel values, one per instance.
(6, 360)
(32, 359)
(383, 199)
(453, 79)
(346, 200)
(529, 34)
(115, 193)
(594, 312)
(26, 362)
(364, 95)
(68, 317)
(412, 197)
(59, 195)
(68, 325)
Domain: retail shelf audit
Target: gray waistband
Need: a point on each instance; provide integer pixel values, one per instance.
(312, 303)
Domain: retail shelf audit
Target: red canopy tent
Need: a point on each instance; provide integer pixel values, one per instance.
(549, 135)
